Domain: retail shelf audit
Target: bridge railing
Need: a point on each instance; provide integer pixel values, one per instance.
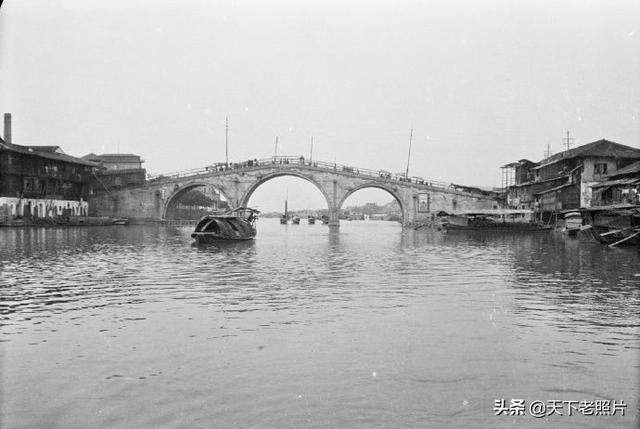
(293, 160)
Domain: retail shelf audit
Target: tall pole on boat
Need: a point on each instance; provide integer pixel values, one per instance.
(226, 139)
(406, 173)
(276, 151)
(286, 215)
(311, 151)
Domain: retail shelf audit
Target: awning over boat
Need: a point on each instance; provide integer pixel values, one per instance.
(494, 212)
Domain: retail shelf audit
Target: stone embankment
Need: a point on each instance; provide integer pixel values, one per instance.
(58, 221)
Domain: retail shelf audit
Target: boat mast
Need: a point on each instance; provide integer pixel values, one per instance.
(311, 151)
(406, 174)
(286, 215)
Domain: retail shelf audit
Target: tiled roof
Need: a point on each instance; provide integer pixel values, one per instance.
(46, 148)
(629, 169)
(600, 148)
(34, 151)
(113, 157)
(546, 191)
(627, 181)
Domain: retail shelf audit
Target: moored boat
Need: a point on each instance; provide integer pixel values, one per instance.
(295, 220)
(284, 219)
(311, 220)
(492, 221)
(120, 221)
(236, 224)
(572, 222)
(613, 225)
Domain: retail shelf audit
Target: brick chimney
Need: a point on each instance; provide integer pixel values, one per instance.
(7, 127)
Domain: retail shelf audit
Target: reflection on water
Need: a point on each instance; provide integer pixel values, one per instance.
(304, 326)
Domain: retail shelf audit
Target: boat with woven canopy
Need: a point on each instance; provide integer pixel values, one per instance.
(235, 224)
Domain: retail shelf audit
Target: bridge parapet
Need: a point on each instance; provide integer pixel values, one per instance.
(292, 161)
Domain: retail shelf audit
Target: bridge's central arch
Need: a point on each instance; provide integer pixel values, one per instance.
(244, 200)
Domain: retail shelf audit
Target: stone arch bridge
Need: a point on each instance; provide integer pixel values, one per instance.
(417, 197)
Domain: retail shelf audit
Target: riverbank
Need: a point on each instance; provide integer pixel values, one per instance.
(58, 221)
(89, 221)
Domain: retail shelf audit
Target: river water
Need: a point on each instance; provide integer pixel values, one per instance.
(371, 326)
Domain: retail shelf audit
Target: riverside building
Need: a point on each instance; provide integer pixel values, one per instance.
(41, 181)
(565, 180)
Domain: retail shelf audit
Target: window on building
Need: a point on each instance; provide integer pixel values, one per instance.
(600, 168)
(28, 184)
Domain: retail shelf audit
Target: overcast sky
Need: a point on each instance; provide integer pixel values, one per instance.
(482, 83)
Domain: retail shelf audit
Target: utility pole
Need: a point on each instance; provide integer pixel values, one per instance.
(547, 153)
(406, 174)
(311, 151)
(567, 141)
(276, 152)
(226, 140)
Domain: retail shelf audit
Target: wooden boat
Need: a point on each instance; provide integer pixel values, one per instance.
(295, 220)
(572, 222)
(284, 219)
(325, 220)
(613, 225)
(236, 224)
(311, 220)
(492, 221)
(120, 221)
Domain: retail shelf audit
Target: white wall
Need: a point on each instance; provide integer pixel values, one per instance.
(46, 207)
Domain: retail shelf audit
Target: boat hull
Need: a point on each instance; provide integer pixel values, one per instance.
(613, 226)
(207, 238)
(625, 237)
(572, 232)
(498, 228)
(226, 227)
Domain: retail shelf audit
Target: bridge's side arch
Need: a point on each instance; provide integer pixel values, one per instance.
(179, 191)
(388, 189)
(244, 200)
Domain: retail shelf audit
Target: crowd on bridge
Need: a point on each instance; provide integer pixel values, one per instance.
(289, 160)
(221, 166)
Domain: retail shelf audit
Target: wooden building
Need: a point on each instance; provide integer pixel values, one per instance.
(41, 181)
(565, 180)
(622, 187)
(118, 170)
